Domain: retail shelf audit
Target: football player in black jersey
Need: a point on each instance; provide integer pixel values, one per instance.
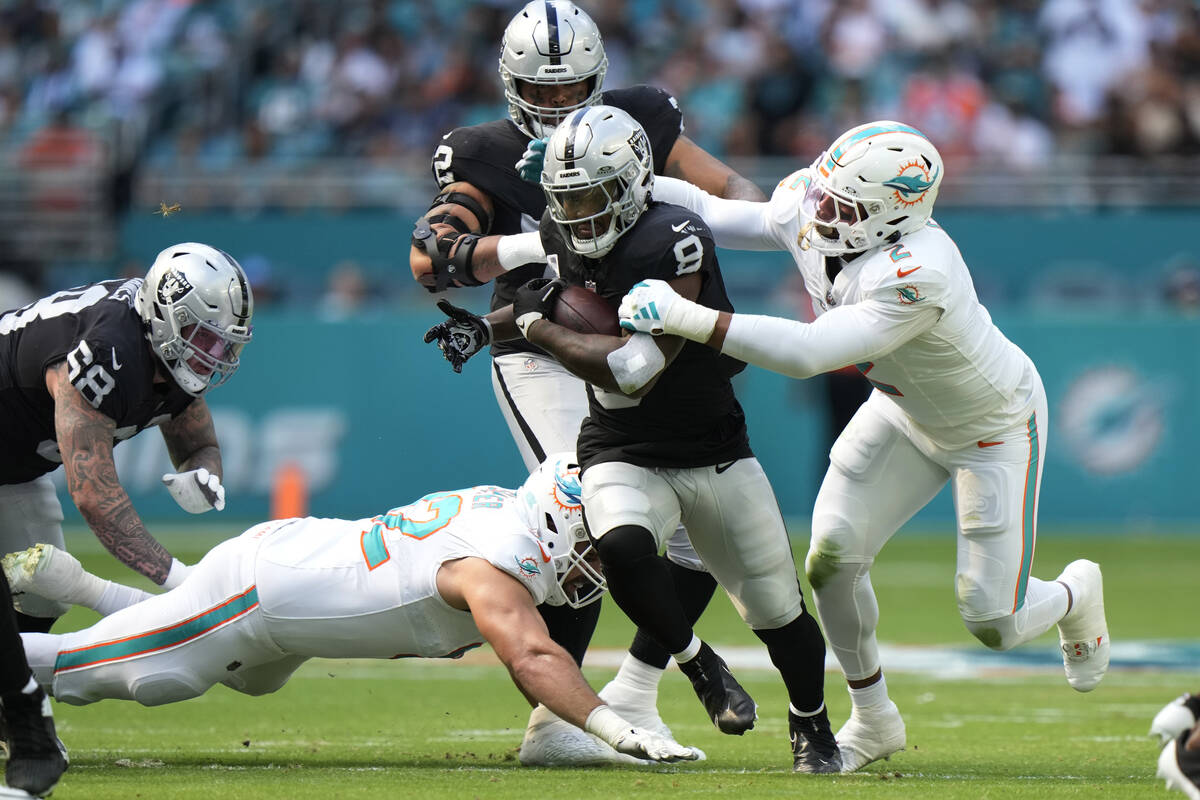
(665, 438)
(552, 62)
(84, 369)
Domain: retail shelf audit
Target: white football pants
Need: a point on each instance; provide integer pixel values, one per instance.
(731, 516)
(172, 646)
(881, 472)
(544, 405)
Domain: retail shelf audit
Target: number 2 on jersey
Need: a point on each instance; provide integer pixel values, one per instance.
(418, 520)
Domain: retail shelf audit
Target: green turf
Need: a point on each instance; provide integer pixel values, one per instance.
(427, 729)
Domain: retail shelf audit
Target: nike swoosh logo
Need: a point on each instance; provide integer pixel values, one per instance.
(904, 273)
(545, 555)
(989, 444)
(116, 364)
(678, 228)
(722, 467)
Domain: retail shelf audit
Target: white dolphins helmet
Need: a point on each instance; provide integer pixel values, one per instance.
(196, 305)
(551, 500)
(549, 43)
(597, 176)
(875, 183)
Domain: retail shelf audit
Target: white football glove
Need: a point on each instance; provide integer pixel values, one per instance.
(609, 726)
(653, 307)
(196, 490)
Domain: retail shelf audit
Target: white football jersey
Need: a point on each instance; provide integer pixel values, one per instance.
(952, 371)
(368, 588)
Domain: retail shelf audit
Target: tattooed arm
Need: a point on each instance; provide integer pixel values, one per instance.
(85, 439)
(191, 439)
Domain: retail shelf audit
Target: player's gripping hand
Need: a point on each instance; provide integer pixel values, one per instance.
(607, 725)
(653, 307)
(461, 336)
(196, 490)
(530, 165)
(534, 300)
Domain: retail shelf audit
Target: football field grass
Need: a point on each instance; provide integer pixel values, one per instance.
(1003, 727)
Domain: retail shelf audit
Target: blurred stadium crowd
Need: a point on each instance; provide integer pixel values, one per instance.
(286, 80)
(181, 90)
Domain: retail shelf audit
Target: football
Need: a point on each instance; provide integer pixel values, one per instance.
(584, 311)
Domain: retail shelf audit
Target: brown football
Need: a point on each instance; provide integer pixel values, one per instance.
(584, 311)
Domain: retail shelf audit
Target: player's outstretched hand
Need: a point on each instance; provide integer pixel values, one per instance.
(196, 490)
(646, 307)
(530, 165)
(643, 744)
(461, 336)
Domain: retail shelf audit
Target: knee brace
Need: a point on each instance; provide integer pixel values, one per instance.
(625, 545)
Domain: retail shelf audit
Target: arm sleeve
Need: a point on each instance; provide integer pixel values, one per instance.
(736, 224)
(844, 336)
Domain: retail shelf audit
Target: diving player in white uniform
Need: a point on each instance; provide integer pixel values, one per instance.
(954, 401)
(432, 579)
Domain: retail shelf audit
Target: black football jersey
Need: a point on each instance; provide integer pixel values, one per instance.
(691, 417)
(486, 155)
(98, 332)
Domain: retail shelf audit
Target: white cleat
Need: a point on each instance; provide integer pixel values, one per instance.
(551, 742)
(1173, 772)
(870, 734)
(44, 570)
(1083, 632)
(640, 708)
(1175, 717)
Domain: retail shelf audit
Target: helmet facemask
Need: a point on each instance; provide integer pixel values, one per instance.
(551, 498)
(550, 44)
(876, 183)
(597, 176)
(196, 303)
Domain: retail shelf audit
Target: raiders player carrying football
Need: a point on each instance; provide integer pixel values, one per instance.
(665, 440)
(552, 63)
(84, 369)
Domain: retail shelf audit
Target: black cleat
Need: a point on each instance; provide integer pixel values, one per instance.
(814, 749)
(729, 706)
(36, 757)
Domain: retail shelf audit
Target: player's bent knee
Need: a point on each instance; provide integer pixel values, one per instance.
(836, 544)
(626, 544)
(168, 687)
(999, 633)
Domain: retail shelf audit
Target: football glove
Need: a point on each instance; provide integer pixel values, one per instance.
(534, 300)
(653, 307)
(608, 726)
(530, 165)
(461, 336)
(196, 490)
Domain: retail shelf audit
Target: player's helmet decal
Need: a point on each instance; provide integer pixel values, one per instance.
(597, 176)
(876, 183)
(196, 305)
(551, 499)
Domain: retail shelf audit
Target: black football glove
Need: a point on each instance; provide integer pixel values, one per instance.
(461, 336)
(534, 300)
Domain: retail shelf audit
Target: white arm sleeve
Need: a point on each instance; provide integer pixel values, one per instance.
(846, 335)
(735, 224)
(519, 249)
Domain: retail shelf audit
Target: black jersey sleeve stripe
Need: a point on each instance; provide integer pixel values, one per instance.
(552, 33)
